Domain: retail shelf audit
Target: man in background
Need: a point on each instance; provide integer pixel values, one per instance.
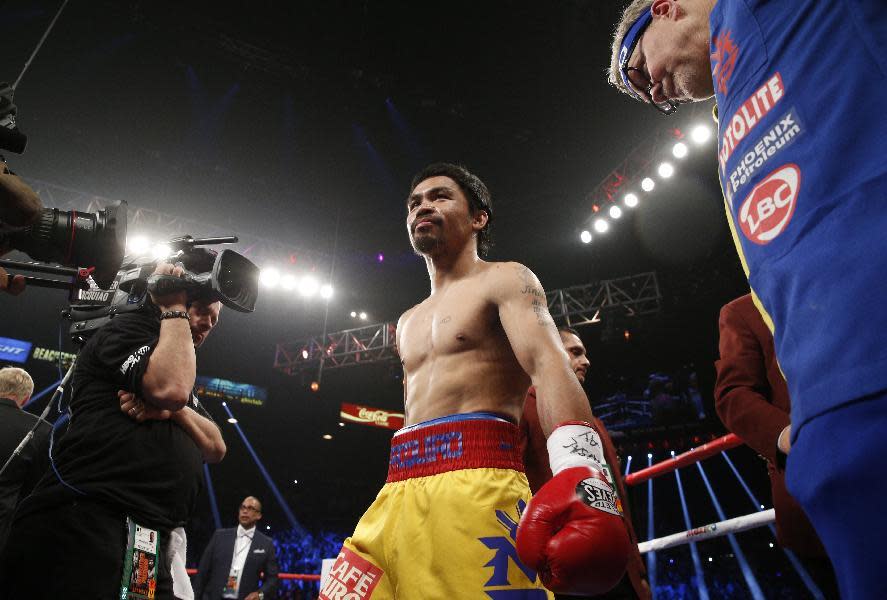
(634, 584)
(16, 387)
(751, 397)
(236, 559)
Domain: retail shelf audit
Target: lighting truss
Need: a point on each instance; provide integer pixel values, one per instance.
(631, 296)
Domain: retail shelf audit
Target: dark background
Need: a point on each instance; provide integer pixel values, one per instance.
(303, 122)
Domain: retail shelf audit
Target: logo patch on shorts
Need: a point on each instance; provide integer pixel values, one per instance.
(351, 578)
(598, 494)
(767, 210)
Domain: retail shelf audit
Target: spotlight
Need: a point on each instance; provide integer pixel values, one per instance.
(615, 212)
(161, 251)
(295, 481)
(353, 314)
(585, 236)
(363, 316)
(709, 559)
(314, 386)
(666, 170)
(601, 225)
(700, 134)
(647, 184)
(762, 507)
(380, 257)
(631, 200)
(649, 456)
(326, 291)
(679, 150)
(771, 544)
(327, 436)
(224, 403)
(308, 286)
(341, 424)
(288, 282)
(232, 420)
(267, 527)
(269, 277)
(138, 245)
(672, 453)
(304, 353)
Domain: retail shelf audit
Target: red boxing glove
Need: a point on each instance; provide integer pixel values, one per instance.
(572, 533)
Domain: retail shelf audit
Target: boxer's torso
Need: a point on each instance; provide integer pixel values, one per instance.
(455, 354)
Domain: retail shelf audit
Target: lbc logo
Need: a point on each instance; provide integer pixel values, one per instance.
(770, 205)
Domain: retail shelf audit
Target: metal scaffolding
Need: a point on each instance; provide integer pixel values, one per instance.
(578, 305)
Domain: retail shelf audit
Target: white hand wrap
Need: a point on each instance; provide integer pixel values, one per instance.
(574, 444)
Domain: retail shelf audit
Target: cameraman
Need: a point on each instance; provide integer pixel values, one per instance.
(117, 468)
(19, 207)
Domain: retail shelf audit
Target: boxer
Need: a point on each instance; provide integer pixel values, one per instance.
(455, 519)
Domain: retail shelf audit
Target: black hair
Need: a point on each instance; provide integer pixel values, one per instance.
(475, 191)
(568, 329)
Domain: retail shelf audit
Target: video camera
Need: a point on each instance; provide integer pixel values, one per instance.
(209, 275)
(83, 243)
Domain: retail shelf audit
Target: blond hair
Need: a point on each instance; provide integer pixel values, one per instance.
(629, 16)
(15, 384)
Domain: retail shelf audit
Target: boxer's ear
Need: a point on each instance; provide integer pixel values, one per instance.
(479, 219)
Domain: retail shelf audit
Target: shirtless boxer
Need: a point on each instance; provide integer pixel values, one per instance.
(445, 525)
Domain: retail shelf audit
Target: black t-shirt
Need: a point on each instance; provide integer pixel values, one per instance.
(150, 470)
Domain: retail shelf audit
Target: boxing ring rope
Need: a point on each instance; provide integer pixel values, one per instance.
(687, 458)
(291, 576)
(725, 527)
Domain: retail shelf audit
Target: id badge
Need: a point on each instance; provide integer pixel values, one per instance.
(231, 585)
(140, 563)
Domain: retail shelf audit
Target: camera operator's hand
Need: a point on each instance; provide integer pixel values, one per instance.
(12, 284)
(173, 300)
(19, 204)
(140, 411)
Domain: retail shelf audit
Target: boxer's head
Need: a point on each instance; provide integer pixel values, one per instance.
(447, 206)
(250, 512)
(576, 351)
(665, 59)
(203, 317)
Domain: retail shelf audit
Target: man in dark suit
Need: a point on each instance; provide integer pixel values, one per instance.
(26, 469)
(751, 398)
(634, 584)
(236, 559)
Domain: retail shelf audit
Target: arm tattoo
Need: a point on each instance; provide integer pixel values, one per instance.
(531, 288)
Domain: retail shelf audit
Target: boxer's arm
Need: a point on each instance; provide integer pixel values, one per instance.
(523, 312)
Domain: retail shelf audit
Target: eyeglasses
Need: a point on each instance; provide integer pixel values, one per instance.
(250, 508)
(636, 80)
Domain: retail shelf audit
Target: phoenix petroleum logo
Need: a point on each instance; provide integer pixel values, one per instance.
(770, 205)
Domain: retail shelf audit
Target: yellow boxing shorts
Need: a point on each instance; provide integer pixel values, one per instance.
(443, 526)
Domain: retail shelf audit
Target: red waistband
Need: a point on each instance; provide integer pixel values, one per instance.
(453, 443)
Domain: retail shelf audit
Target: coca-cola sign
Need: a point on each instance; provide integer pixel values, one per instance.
(368, 415)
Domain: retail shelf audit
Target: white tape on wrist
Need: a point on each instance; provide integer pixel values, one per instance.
(574, 445)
